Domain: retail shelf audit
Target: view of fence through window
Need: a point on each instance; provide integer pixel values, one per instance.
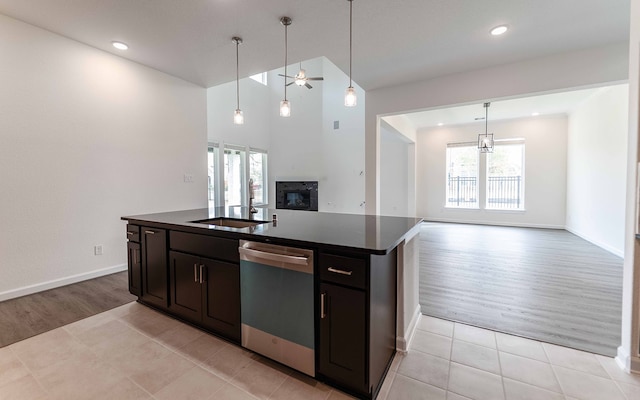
(505, 186)
(504, 182)
(462, 176)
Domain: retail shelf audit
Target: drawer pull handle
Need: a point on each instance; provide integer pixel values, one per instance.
(323, 313)
(201, 274)
(130, 233)
(150, 232)
(195, 273)
(339, 271)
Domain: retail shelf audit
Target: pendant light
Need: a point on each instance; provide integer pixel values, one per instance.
(238, 117)
(350, 99)
(285, 107)
(485, 142)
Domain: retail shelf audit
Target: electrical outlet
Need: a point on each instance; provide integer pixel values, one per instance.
(188, 178)
(97, 250)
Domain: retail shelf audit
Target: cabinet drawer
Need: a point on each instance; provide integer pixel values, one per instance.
(133, 233)
(206, 246)
(343, 270)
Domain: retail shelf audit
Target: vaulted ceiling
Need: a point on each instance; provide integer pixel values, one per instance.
(394, 41)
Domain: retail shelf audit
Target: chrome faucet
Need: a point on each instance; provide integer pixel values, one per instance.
(252, 209)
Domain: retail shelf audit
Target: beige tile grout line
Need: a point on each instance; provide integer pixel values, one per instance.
(612, 378)
(453, 335)
(35, 378)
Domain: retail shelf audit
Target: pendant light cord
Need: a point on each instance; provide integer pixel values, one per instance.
(486, 117)
(285, 61)
(237, 75)
(350, 39)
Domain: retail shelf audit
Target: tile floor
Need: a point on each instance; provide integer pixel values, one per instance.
(133, 352)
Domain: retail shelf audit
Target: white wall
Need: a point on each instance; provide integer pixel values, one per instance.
(629, 351)
(294, 142)
(394, 172)
(342, 178)
(597, 168)
(545, 172)
(254, 98)
(87, 137)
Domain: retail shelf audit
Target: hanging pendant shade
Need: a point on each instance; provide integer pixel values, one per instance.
(285, 107)
(485, 142)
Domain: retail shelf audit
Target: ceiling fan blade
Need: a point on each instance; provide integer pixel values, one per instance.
(290, 83)
(292, 77)
(308, 86)
(317, 78)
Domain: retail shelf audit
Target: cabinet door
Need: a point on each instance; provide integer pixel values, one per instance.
(135, 274)
(221, 298)
(343, 336)
(185, 296)
(154, 267)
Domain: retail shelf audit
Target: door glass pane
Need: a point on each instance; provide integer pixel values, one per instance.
(258, 172)
(233, 176)
(212, 165)
(462, 176)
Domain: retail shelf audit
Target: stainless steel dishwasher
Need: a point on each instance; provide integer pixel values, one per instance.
(276, 291)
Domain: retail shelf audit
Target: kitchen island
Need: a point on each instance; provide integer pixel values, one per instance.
(187, 264)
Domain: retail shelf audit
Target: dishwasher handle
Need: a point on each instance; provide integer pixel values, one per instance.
(265, 255)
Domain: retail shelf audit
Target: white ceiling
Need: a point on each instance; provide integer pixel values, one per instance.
(548, 104)
(394, 41)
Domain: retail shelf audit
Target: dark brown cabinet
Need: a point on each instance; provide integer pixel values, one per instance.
(154, 267)
(204, 290)
(134, 260)
(342, 334)
(357, 320)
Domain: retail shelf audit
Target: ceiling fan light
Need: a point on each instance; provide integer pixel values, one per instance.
(238, 117)
(285, 108)
(301, 78)
(350, 98)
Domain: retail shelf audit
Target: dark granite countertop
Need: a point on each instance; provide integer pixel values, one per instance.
(371, 233)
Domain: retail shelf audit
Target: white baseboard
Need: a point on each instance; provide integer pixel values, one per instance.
(610, 249)
(623, 359)
(39, 287)
(403, 343)
(515, 224)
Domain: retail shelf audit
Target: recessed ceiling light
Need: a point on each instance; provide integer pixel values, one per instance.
(440, 123)
(535, 114)
(120, 45)
(499, 30)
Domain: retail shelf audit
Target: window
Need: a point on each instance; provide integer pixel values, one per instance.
(213, 154)
(258, 172)
(505, 176)
(260, 78)
(234, 175)
(462, 175)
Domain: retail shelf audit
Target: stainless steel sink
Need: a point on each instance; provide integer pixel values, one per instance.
(230, 222)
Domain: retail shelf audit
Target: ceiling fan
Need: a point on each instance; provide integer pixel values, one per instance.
(301, 78)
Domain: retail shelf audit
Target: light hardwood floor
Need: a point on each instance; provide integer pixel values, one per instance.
(544, 284)
(41, 312)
